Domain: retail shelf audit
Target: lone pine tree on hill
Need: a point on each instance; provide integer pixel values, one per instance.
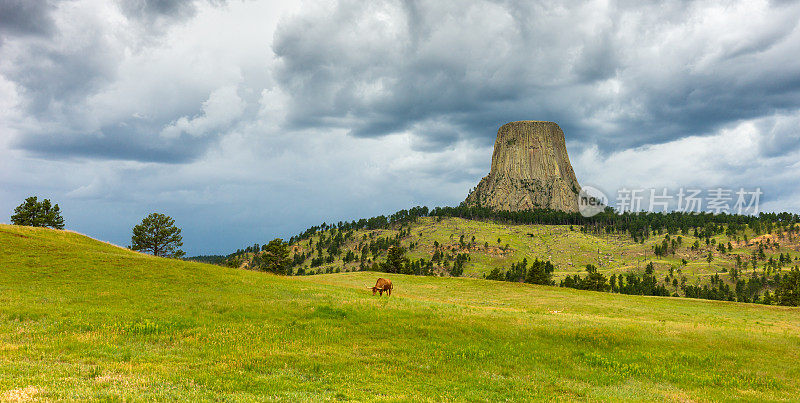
(158, 235)
(275, 258)
(38, 214)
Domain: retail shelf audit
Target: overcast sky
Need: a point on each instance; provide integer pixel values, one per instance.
(247, 120)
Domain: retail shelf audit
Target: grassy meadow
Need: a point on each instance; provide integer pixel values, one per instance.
(82, 319)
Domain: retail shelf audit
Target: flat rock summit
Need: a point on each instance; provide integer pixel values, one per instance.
(530, 169)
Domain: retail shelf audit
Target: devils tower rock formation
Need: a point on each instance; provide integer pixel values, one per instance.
(530, 169)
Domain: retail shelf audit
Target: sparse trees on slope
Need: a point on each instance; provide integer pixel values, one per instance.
(38, 214)
(158, 235)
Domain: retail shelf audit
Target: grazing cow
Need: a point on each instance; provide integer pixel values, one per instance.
(381, 286)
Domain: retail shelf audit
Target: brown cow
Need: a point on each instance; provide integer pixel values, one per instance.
(381, 286)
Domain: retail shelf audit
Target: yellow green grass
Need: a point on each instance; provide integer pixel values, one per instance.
(82, 319)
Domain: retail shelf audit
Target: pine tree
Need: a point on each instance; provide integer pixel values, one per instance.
(38, 214)
(275, 258)
(394, 259)
(158, 235)
(595, 280)
(541, 272)
(788, 292)
(27, 213)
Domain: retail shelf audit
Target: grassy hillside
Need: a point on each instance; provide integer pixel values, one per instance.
(84, 319)
(569, 249)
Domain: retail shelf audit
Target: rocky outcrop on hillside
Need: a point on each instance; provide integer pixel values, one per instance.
(530, 169)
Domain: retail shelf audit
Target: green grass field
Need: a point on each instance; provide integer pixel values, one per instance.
(82, 319)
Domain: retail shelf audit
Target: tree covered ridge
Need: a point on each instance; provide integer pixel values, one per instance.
(326, 244)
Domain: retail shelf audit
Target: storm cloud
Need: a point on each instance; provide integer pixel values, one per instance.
(620, 75)
(266, 117)
(25, 17)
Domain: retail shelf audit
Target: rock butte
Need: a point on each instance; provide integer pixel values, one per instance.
(530, 169)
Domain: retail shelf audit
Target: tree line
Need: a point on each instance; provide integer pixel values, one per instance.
(639, 226)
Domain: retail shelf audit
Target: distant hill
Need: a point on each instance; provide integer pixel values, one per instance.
(210, 259)
(82, 319)
(679, 255)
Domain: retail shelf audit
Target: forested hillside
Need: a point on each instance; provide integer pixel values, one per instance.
(722, 257)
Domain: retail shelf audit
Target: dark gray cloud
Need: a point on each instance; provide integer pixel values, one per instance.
(121, 141)
(389, 67)
(79, 56)
(150, 9)
(25, 17)
(64, 76)
(649, 73)
(160, 14)
(54, 81)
